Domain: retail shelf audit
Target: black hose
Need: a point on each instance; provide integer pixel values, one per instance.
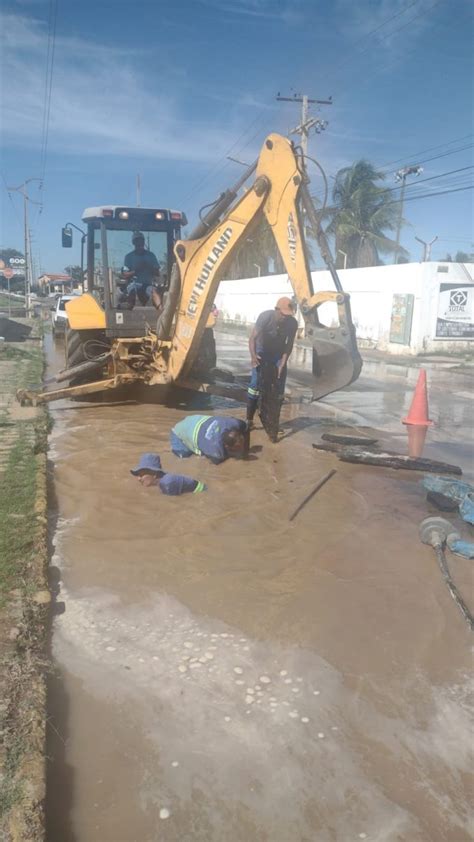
(443, 565)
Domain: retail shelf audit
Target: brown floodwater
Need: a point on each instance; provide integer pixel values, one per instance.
(224, 674)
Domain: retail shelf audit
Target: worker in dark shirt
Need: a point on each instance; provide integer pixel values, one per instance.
(216, 436)
(271, 341)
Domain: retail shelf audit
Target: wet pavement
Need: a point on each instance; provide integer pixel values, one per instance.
(224, 674)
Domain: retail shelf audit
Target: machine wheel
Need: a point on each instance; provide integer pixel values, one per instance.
(77, 352)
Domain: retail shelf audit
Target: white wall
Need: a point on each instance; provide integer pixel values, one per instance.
(371, 290)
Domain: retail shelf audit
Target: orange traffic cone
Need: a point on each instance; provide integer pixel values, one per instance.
(418, 412)
(416, 439)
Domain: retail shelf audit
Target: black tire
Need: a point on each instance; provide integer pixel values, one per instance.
(76, 352)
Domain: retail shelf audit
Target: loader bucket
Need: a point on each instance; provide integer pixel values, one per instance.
(336, 362)
(336, 358)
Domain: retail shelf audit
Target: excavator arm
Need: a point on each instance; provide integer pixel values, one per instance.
(279, 193)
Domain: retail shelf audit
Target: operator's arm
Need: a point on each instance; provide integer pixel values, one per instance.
(127, 273)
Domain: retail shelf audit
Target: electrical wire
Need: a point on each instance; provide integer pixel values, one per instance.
(15, 210)
(48, 88)
(424, 151)
(326, 186)
(431, 195)
(423, 161)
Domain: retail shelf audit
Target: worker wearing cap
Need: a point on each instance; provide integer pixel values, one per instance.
(150, 472)
(271, 341)
(141, 271)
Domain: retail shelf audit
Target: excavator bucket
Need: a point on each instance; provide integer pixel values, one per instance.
(336, 361)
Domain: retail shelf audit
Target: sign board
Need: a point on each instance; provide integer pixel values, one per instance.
(401, 318)
(455, 311)
(7, 273)
(17, 262)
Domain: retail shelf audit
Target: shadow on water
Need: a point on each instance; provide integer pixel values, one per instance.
(59, 775)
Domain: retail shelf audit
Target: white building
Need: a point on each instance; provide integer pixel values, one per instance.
(407, 308)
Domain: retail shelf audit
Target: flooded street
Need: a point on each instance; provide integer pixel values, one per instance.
(225, 675)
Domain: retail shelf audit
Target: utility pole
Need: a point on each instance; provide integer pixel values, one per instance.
(26, 199)
(139, 191)
(401, 175)
(307, 123)
(426, 248)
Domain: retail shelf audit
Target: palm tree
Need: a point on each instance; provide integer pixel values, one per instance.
(258, 254)
(362, 213)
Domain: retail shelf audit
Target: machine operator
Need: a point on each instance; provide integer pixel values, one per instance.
(141, 271)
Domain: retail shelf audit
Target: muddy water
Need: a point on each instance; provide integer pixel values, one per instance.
(224, 674)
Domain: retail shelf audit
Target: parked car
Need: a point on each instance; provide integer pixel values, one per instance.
(59, 315)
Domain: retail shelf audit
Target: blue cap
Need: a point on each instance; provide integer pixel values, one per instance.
(150, 461)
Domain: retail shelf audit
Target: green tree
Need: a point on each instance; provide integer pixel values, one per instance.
(75, 273)
(460, 257)
(258, 254)
(361, 215)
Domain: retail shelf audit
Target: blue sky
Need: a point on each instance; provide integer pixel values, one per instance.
(167, 90)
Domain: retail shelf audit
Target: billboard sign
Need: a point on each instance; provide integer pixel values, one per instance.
(455, 311)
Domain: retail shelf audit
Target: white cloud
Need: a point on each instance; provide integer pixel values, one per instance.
(102, 102)
(287, 12)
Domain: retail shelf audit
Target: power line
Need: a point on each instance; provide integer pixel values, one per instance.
(420, 14)
(445, 154)
(431, 178)
(418, 161)
(423, 151)
(372, 32)
(218, 167)
(430, 195)
(15, 210)
(48, 84)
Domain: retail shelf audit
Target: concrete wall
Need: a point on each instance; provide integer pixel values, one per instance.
(371, 290)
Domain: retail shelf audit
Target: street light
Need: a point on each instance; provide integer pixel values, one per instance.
(344, 256)
(401, 176)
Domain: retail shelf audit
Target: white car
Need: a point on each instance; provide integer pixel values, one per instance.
(59, 315)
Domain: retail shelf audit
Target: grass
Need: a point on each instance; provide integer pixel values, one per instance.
(17, 495)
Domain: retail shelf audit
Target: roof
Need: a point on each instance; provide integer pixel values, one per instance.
(98, 212)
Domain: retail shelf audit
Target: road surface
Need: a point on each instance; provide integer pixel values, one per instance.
(224, 675)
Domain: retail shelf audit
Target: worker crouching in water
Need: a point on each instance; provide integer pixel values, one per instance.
(150, 472)
(214, 436)
(271, 341)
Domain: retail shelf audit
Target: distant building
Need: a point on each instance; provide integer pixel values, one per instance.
(50, 283)
(409, 308)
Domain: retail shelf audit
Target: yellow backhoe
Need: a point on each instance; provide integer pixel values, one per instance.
(109, 345)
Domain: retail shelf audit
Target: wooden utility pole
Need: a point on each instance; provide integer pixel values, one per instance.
(28, 267)
(307, 123)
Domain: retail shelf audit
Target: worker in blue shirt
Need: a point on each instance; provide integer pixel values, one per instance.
(150, 472)
(215, 436)
(141, 270)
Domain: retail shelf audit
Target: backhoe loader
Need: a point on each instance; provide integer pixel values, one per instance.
(108, 346)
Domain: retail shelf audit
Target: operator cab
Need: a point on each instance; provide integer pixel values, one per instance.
(110, 230)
